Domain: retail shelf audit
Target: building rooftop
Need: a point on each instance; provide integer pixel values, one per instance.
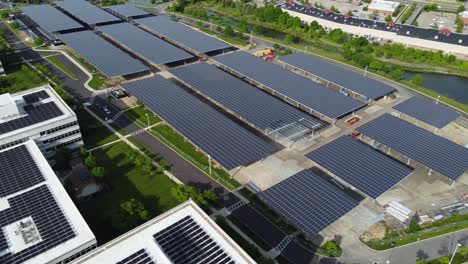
(31, 108)
(39, 222)
(388, 6)
(170, 238)
(464, 14)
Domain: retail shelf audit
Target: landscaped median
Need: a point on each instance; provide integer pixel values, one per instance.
(453, 223)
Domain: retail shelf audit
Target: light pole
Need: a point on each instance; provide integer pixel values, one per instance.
(147, 119)
(209, 164)
(365, 71)
(455, 251)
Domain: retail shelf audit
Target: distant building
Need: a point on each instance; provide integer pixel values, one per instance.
(464, 16)
(41, 115)
(184, 234)
(383, 7)
(39, 222)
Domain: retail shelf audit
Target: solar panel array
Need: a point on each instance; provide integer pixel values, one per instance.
(182, 34)
(53, 227)
(139, 257)
(339, 75)
(143, 43)
(35, 97)
(258, 107)
(185, 241)
(309, 201)
(227, 142)
(360, 165)
(428, 111)
(16, 176)
(289, 84)
(34, 115)
(86, 12)
(49, 18)
(435, 152)
(103, 55)
(127, 10)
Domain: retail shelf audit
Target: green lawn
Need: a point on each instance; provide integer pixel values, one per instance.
(21, 77)
(60, 65)
(138, 114)
(94, 133)
(126, 181)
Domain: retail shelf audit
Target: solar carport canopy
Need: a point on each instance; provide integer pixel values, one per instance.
(360, 165)
(127, 10)
(289, 84)
(86, 12)
(104, 56)
(309, 201)
(182, 34)
(263, 110)
(49, 18)
(428, 111)
(144, 44)
(341, 76)
(224, 140)
(434, 152)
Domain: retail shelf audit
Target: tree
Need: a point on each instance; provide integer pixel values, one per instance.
(420, 261)
(417, 79)
(183, 192)
(228, 31)
(98, 172)
(444, 260)
(130, 214)
(398, 74)
(257, 29)
(414, 226)
(38, 42)
(14, 25)
(388, 18)
(276, 46)
(83, 151)
(5, 15)
(331, 246)
(376, 65)
(90, 161)
(463, 251)
(289, 39)
(153, 2)
(62, 156)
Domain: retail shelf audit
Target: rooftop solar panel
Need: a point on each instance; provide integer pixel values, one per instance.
(143, 43)
(360, 165)
(428, 111)
(127, 10)
(182, 34)
(289, 84)
(49, 18)
(309, 201)
(186, 241)
(139, 257)
(227, 142)
(263, 110)
(434, 152)
(339, 75)
(53, 227)
(86, 12)
(104, 56)
(35, 97)
(33, 115)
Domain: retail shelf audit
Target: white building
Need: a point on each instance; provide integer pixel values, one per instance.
(383, 7)
(39, 223)
(41, 115)
(184, 234)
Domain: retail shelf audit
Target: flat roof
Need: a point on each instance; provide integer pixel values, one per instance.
(32, 108)
(86, 12)
(309, 201)
(182, 34)
(433, 151)
(144, 44)
(383, 5)
(49, 18)
(338, 75)
(107, 58)
(294, 86)
(359, 165)
(263, 110)
(127, 10)
(428, 111)
(154, 239)
(37, 202)
(223, 139)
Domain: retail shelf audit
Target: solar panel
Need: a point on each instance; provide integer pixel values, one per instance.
(34, 115)
(227, 142)
(263, 110)
(186, 241)
(309, 201)
(139, 257)
(428, 111)
(360, 165)
(103, 55)
(339, 75)
(127, 10)
(49, 18)
(53, 227)
(143, 43)
(182, 34)
(291, 85)
(35, 97)
(435, 152)
(86, 12)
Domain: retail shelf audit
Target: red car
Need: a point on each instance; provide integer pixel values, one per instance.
(355, 134)
(352, 121)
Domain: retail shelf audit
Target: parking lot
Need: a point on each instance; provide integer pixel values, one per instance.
(440, 19)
